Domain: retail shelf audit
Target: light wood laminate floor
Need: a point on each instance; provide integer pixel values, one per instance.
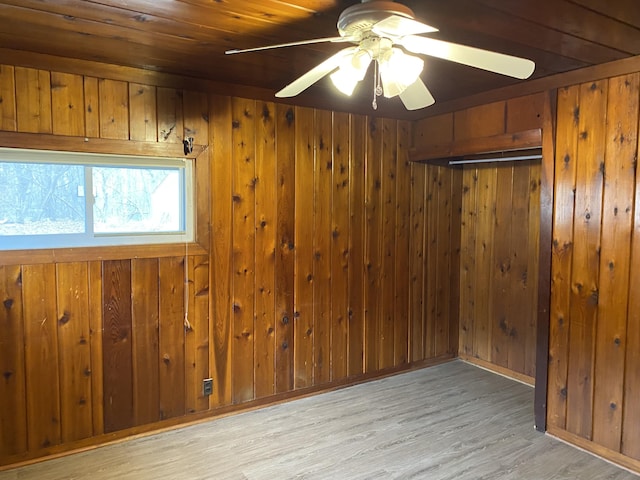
(452, 421)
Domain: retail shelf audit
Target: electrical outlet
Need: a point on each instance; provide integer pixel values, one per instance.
(207, 386)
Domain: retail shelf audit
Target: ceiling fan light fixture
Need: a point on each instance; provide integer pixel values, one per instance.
(377, 28)
(351, 71)
(398, 70)
(344, 81)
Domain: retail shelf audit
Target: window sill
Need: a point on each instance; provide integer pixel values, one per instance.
(85, 254)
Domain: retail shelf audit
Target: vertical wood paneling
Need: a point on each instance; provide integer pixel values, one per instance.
(312, 234)
(402, 234)
(534, 270)
(196, 126)
(196, 116)
(500, 309)
(340, 245)
(197, 333)
(444, 189)
(143, 113)
(265, 192)
(417, 256)
(519, 253)
(630, 444)
(356, 267)
(388, 245)
(13, 427)
(170, 115)
(244, 244)
(487, 181)
(67, 102)
(33, 100)
(96, 334)
(91, 107)
(594, 335)
(145, 303)
(285, 255)
(116, 345)
(545, 241)
(7, 98)
(373, 244)
(221, 250)
(74, 351)
(114, 109)
(617, 217)
(498, 265)
(303, 288)
(562, 252)
(453, 289)
(468, 259)
(41, 356)
(431, 260)
(586, 258)
(171, 309)
(322, 248)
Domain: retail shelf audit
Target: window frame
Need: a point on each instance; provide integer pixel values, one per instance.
(198, 245)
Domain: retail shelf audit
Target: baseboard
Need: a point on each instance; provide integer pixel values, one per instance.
(520, 377)
(606, 454)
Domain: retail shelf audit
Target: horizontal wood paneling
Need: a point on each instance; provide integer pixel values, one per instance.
(310, 213)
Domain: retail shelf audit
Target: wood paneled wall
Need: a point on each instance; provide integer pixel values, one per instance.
(594, 379)
(94, 347)
(321, 231)
(499, 237)
(499, 265)
(328, 259)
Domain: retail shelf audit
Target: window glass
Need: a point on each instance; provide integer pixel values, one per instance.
(57, 199)
(41, 199)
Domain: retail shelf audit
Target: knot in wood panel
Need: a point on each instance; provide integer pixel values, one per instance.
(64, 319)
(266, 114)
(290, 116)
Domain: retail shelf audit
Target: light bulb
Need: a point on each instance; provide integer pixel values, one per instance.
(398, 70)
(352, 70)
(344, 81)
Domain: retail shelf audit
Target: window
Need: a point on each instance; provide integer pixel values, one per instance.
(58, 199)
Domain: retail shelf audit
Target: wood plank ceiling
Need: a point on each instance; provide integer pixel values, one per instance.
(189, 37)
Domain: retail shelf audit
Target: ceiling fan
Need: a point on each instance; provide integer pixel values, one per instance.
(383, 32)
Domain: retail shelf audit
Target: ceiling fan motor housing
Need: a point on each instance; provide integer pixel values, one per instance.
(358, 19)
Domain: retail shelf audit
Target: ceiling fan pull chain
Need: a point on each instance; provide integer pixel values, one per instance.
(374, 104)
(377, 85)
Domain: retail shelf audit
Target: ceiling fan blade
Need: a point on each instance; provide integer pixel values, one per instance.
(293, 44)
(315, 74)
(397, 26)
(417, 96)
(474, 57)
